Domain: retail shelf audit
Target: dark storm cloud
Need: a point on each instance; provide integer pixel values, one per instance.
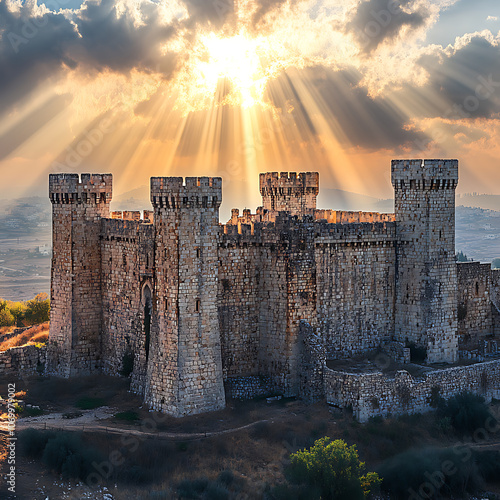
(31, 50)
(376, 21)
(114, 42)
(34, 48)
(466, 83)
(363, 121)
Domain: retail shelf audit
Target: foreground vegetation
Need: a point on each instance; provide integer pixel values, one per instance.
(293, 451)
(31, 312)
(36, 335)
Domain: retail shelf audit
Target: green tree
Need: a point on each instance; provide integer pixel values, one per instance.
(6, 318)
(461, 257)
(495, 264)
(18, 310)
(38, 309)
(335, 468)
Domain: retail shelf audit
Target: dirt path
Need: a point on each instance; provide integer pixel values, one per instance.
(90, 422)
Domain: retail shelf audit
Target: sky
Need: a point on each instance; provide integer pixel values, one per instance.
(237, 87)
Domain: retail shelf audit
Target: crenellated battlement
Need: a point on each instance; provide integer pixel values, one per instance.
(88, 189)
(272, 182)
(195, 192)
(424, 174)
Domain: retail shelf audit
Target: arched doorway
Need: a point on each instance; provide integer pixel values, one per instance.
(147, 302)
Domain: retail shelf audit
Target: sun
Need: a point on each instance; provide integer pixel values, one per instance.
(244, 63)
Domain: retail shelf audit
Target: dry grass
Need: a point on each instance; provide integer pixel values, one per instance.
(35, 334)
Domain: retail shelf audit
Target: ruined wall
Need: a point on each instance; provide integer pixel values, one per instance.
(376, 394)
(475, 312)
(23, 361)
(127, 266)
(355, 286)
(426, 303)
(76, 307)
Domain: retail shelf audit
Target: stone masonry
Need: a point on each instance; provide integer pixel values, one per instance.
(195, 311)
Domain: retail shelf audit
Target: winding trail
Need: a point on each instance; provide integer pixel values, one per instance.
(90, 421)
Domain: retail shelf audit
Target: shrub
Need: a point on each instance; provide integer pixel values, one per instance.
(226, 477)
(33, 441)
(6, 317)
(430, 473)
(216, 491)
(467, 412)
(66, 454)
(38, 309)
(335, 468)
(63, 452)
(192, 488)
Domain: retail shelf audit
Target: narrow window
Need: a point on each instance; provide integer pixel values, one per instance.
(198, 253)
(197, 306)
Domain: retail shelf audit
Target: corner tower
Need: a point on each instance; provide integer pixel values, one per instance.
(426, 276)
(185, 367)
(75, 292)
(288, 192)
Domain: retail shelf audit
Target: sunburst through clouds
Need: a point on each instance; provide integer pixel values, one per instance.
(236, 88)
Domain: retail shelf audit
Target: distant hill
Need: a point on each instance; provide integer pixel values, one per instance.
(337, 199)
(487, 201)
(136, 199)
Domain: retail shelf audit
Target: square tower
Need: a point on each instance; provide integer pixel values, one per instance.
(287, 192)
(184, 374)
(426, 275)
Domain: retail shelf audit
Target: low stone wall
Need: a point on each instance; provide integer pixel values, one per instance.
(247, 387)
(370, 394)
(23, 361)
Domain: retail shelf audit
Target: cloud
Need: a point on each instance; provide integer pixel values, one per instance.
(33, 47)
(376, 21)
(354, 118)
(463, 83)
(492, 18)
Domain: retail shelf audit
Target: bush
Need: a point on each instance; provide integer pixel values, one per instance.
(33, 442)
(430, 473)
(38, 309)
(66, 454)
(216, 491)
(6, 317)
(335, 468)
(466, 412)
(63, 452)
(192, 488)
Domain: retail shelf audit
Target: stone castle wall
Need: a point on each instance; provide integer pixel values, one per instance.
(127, 266)
(475, 310)
(370, 394)
(355, 286)
(258, 305)
(23, 361)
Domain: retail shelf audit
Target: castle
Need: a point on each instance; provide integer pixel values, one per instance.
(195, 311)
